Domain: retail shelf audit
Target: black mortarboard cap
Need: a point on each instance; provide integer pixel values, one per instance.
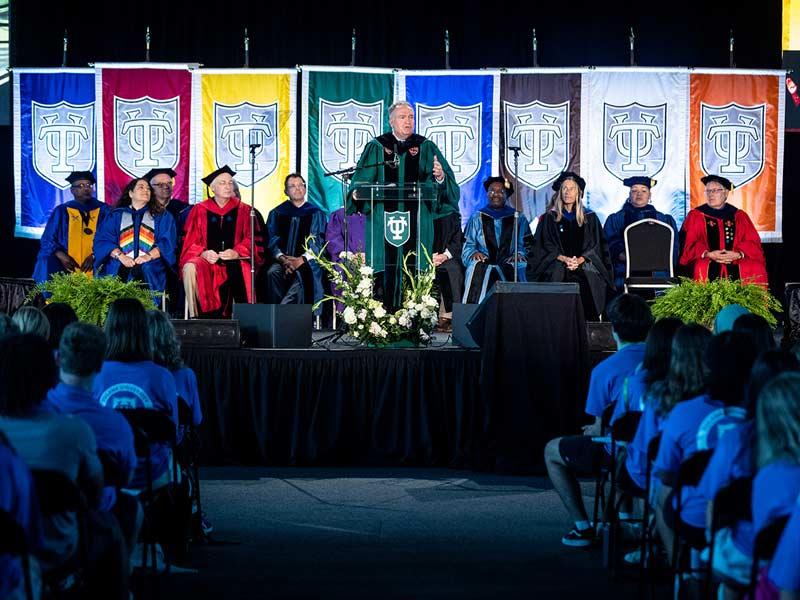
(723, 181)
(569, 175)
(639, 180)
(78, 175)
(506, 184)
(153, 172)
(213, 175)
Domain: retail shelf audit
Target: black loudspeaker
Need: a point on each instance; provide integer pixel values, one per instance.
(462, 313)
(274, 325)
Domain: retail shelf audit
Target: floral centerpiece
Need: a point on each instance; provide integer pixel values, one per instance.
(366, 318)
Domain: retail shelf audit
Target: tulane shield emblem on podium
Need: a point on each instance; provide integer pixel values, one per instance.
(397, 227)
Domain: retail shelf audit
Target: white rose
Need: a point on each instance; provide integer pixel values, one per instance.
(361, 326)
(362, 314)
(392, 321)
(412, 313)
(366, 292)
(430, 301)
(425, 313)
(403, 321)
(349, 315)
(380, 312)
(366, 270)
(375, 329)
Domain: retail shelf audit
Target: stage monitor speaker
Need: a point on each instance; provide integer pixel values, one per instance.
(274, 325)
(462, 313)
(475, 323)
(207, 333)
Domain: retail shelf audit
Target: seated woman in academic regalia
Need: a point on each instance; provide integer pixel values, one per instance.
(569, 246)
(489, 244)
(137, 240)
(719, 240)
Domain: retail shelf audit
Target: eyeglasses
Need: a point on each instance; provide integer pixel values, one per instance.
(497, 192)
(711, 192)
(82, 186)
(162, 185)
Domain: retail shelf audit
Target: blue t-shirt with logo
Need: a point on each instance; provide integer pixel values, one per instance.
(132, 385)
(692, 426)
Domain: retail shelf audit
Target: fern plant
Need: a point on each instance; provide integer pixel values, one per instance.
(90, 297)
(700, 301)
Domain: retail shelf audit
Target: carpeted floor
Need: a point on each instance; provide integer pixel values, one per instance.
(386, 533)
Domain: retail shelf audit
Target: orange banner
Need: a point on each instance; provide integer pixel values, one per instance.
(734, 132)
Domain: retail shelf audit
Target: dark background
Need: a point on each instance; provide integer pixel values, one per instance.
(405, 35)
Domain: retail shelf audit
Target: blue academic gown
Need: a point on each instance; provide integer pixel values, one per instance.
(288, 227)
(108, 239)
(615, 227)
(65, 231)
(491, 231)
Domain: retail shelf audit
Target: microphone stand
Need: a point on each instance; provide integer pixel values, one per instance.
(253, 148)
(515, 150)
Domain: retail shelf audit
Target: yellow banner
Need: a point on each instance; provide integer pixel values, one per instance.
(249, 124)
(791, 25)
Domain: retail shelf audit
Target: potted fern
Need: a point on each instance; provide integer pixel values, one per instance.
(700, 301)
(91, 297)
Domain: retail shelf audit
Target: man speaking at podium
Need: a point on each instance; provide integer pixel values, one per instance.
(400, 158)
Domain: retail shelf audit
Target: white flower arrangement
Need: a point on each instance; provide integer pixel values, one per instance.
(366, 318)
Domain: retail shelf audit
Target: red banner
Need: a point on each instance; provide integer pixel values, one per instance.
(146, 125)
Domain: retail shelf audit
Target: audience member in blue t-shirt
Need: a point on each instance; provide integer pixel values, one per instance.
(784, 570)
(129, 379)
(568, 457)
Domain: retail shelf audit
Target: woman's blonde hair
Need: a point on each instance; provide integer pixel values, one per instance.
(557, 203)
(778, 419)
(30, 319)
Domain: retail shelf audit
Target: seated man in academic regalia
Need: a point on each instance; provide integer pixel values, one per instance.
(636, 208)
(720, 240)
(448, 240)
(215, 258)
(295, 277)
(66, 243)
(489, 245)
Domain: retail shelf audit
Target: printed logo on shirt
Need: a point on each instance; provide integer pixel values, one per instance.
(126, 395)
(716, 424)
(146, 134)
(456, 130)
(732, 141)
(63, 140)
(541, 131)
(634, 139)
(345, 128)
(236, 128)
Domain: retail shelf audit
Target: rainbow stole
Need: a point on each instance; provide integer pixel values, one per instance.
(128, 236)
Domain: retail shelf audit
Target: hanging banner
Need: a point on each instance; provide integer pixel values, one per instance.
(245, 108)
(461, 115)
(146, 110)
(54, 135)
(737, 129)
(343, 109)
(540, 115)
(634, 123)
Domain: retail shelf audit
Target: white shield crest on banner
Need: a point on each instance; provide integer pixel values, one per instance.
(456, 130)
(634, 139)
(541, 131)
(732, 141)
(146, 134)
(236, 127)
(63, 140)
(345, 128)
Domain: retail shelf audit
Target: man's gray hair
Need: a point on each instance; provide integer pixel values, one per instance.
(397, 105)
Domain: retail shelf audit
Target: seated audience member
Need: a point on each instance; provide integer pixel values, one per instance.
(18, 499)
(294, 277)
(214, 262)
(697, 424)
(568, 457)
(719, 240)
(59, 315)
(757, 330)
(569, 246)
(7, 326)
(129, 379)
(489, 242)
(727, 316)
(29, 319)
(636, 208)
(80, 354)
(63, 443)
(137, 240)
(733, 459)
(66, 244)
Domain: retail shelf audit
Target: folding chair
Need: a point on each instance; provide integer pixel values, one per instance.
(649, 245)
(732, 504)
(647, 544)
(764, 546)
(189, 450)
(13, 541)
(603, 472)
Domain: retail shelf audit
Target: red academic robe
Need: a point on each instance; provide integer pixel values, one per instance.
(706, 229)
(211, 277)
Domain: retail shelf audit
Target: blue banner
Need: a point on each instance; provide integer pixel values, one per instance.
(460, 114)
(54, 134)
